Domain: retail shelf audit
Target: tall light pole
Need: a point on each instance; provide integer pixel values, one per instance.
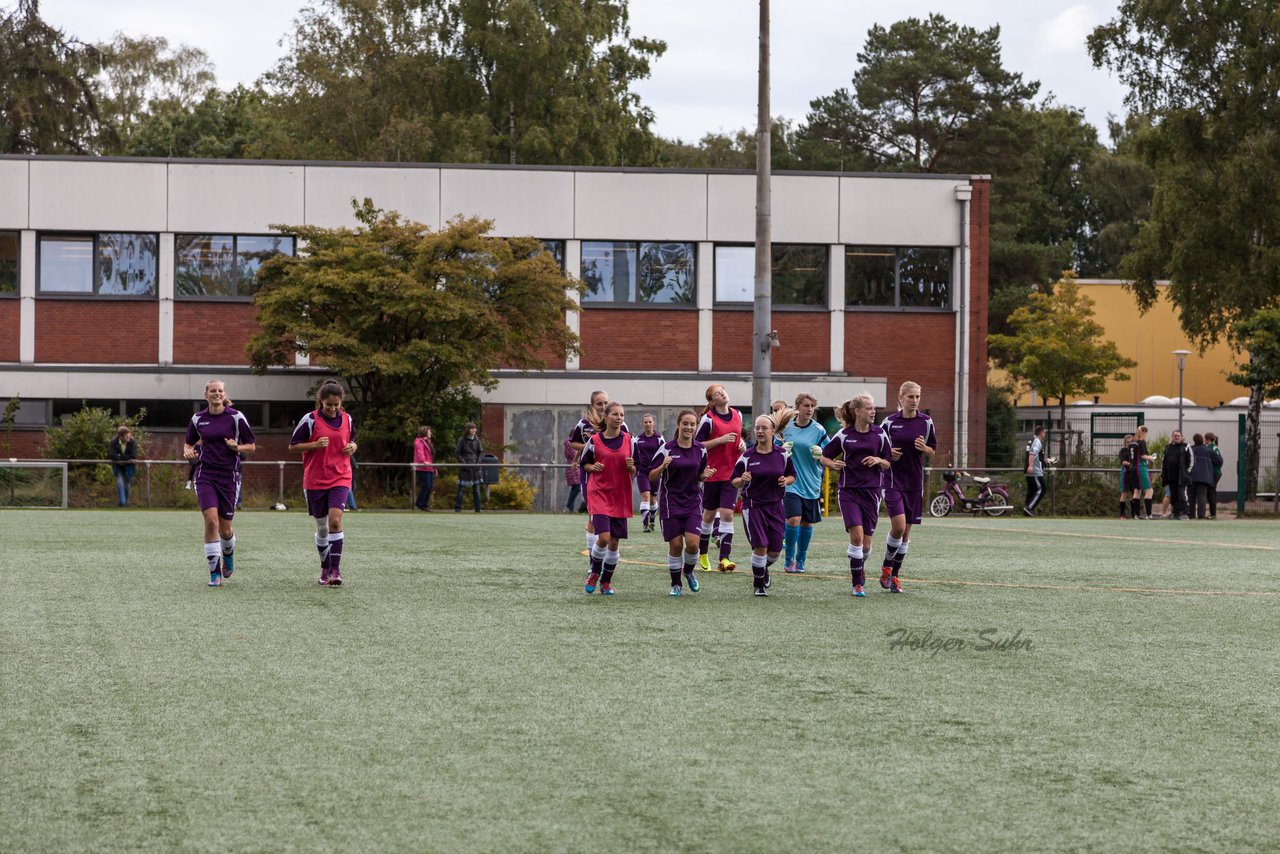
(1182, 364)
(761, 339)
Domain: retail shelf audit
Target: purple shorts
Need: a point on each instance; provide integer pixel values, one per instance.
(614, 525)
(218, 491)
(909, 504)
(860, 509)
(321, 501)
(765, 525)
(718, 494)
(675, 526)
(644, 484)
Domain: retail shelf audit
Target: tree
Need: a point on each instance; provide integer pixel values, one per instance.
(1259, 337)
(1208, 74)
(225, 125)
(410, 318)
(48, 99)
(143, 77)
(524, 81)
(731, 151)
(1057, 348)
(86, 435)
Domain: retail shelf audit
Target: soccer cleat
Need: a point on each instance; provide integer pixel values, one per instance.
(886, 572)
(704, 561)
(675, 591)
(726, 565)
(692, 581)
(607, 589)
(760, 591)
(857, 591)
(895, 586)
(800, 568)
(790, 568)
(323, 581)
(1026, 512)
(768, 582)
(228, 564)
(590, 586)
(215, 578)
(335, 579)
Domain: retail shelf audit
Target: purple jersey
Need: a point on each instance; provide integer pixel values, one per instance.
(681, 492)
(765, 469)
(584, 430)
(306, 427)
(213, 431)
(856, 447)
(647, 450)
(906, 473)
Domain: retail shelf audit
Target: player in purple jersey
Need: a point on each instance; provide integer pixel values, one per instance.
(592, 422)
(647, 445)
(914, 442)
(763, 473)
(680, 468)
(222, 434)
(865, 455)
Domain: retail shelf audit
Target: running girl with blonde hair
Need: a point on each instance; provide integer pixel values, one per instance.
(221, 433)
(681, 467)
(914, 441)
(763, 473)
(648, 443)
(720, 432)
(864, 456)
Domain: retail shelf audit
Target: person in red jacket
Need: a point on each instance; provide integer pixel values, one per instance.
(609, 456)
(326, 438)
(424, 454)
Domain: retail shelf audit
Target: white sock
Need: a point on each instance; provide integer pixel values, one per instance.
(212, 551)
(598, 551)
(228, 545)
(591, 541)
(610, 558)
(855, 551)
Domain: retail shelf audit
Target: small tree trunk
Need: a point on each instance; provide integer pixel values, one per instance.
(1252, 441)
(511, 128)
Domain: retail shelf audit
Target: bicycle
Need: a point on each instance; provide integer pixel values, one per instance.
(992, 498)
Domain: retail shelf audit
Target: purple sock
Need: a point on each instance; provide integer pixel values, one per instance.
(335, 551)
(726, 545)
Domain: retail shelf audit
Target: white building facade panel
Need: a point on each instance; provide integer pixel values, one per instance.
(87, 195)
(414, 193)
(899, 212)
(14, 193)
(532, 203)
(626, 205)
(234, 199)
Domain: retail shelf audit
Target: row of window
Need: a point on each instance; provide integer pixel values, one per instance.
(161, 414)
(614, 272)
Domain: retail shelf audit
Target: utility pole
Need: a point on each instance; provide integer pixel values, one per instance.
(762, 338)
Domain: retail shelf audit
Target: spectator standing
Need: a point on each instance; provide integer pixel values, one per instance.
(1035, 472)
(572, 476)
(123, 450)
(469, 452)
(424, 454)
(1211, 439)
(1204, 459)
(1174, 473)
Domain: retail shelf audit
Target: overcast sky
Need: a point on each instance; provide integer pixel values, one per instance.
(706, 81)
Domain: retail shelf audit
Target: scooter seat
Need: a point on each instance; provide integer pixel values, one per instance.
(982, 480)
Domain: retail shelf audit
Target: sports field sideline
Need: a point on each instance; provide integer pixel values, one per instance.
(1042, 684)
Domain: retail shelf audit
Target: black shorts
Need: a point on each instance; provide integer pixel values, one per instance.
(808, 509)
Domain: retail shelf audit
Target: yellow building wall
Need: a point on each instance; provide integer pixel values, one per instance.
(1150, 339)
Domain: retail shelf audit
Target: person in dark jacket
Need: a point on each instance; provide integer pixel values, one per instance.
(1211, 439)
(469, 452)
(1204, 459)
(1175, 473)
(123, 450)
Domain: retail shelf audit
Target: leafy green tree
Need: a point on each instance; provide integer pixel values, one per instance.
(410, 318)
(143, 77)
(48, 97)
(226, 125)
(524, 81)
(1057, 347)
(1002, 427)
(731, 151)
(1118, 186)
(1259, 338)
(1208, 74)
(86, 435)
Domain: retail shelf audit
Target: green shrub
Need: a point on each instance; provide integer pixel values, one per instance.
(511, 492)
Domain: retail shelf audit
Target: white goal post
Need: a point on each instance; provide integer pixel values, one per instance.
(34, 484)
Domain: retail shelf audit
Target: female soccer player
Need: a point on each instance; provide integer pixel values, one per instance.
(913, 439)
(223, 434)
(805, 439)
(610, 458)
(1142, 456)
(326, 438)
(591, 422)
(647, 445)
(763, 473)
(720, 432)
(1128, 477)
(680, 468)
(865, 455)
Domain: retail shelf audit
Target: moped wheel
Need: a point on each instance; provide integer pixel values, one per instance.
(997, 504)
(940, 505)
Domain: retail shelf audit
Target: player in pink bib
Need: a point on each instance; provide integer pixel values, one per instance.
(610, 458)
(326, 438)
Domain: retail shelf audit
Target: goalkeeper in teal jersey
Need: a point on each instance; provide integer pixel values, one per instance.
(804, 438)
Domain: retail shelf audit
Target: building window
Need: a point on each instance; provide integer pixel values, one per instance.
(8, 263)
(897, 277)
(223, 265)
(799, 274)
(647, 272)
(556, 248)
(106, 264)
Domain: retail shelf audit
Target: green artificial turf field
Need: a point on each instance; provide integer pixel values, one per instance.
(461, 692)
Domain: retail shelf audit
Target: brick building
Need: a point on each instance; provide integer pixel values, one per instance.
(113, 272)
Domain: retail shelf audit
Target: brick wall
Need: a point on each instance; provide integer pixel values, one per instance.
(10, 329)
(228, 326)
(901, 347)
(97, 331)
(493, 421)
(980, 243)
(636, 339)
(805, 337)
